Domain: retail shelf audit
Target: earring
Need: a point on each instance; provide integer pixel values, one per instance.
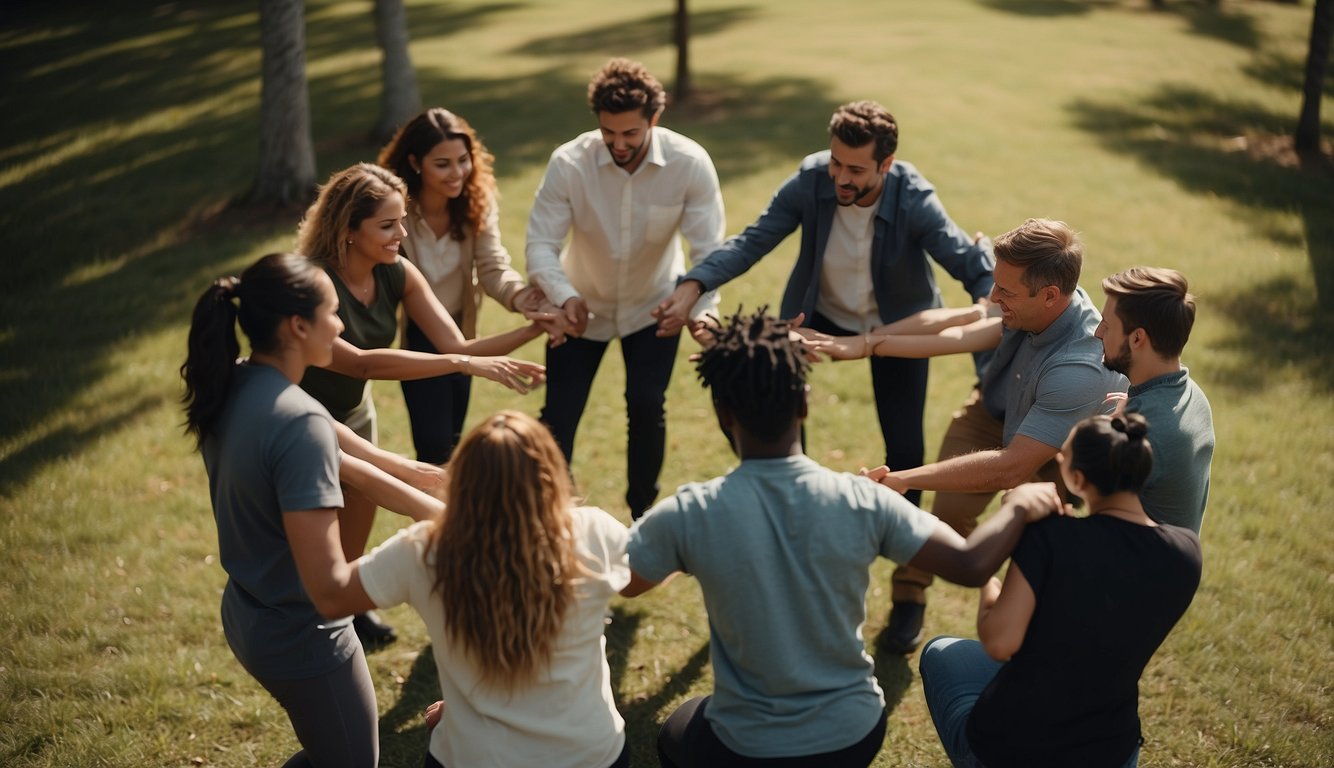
(349, 241)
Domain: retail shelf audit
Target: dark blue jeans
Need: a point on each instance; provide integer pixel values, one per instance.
(436, 407)
(899, 384)
(687, 740)
(648, 370)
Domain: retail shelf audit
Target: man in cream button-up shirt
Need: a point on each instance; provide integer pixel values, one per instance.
(621, 193)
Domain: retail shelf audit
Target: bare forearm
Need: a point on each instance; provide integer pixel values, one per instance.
(500, 343)
(394, 364)
(972, 472)
(934, 320)
(388, 491)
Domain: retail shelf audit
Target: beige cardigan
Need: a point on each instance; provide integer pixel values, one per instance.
(484, 265)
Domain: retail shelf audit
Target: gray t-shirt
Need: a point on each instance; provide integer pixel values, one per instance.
(274, 451)
(781, 549)
(1042, 384)
(1181, 431)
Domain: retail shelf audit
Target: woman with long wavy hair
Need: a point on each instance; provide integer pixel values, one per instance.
(354, 229)
(512, 582)
(453, 237)
(274, 464)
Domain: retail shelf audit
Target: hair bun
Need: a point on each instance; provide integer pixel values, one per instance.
(1133, 425)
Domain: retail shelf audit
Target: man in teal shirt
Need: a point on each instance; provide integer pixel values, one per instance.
(1145, 325)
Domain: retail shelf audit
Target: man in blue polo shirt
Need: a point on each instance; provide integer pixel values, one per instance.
(1044, 377)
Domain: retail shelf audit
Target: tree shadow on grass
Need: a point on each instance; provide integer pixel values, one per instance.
(634, 37)
(1242, 153)
(1218, 22)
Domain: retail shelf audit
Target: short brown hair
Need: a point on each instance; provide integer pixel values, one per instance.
(859, 123)
(622, 85)
(1048, 251)
(1156, 299)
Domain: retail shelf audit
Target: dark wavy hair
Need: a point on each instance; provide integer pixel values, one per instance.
(278, 286)
(416, 139)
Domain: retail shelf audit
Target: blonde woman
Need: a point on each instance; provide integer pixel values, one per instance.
(355, 230)
(512, 583)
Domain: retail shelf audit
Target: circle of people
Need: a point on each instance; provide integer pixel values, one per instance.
(513, 577)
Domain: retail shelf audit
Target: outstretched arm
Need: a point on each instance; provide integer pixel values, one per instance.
(947, 340)
(972, 561)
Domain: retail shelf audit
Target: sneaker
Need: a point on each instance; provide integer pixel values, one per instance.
(373, 632)
(904, 632)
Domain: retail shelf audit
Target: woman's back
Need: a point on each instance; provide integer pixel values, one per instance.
(1107, 591)
(567, 717)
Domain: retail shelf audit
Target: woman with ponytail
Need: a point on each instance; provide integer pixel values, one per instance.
(1085, 604)
(274, 466)
(513, 584)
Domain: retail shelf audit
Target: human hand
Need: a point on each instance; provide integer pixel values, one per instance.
(886, 477)
(833, 347)
(576, 315)
(673, 313)
(702, 331)
(532, 299)
(1119, 399)
(427, 478)
(1034, 501)
(519, 375)
(985, 308)
(433, 714)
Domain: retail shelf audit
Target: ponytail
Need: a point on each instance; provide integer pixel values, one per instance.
(278, 286)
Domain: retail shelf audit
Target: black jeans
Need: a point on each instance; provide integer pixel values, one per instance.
(436, 406)
(899, 384)
(687, 740)
(648, 370)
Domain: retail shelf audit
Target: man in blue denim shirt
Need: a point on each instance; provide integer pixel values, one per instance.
(867, 224)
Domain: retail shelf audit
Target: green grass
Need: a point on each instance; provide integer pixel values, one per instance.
(1158, 135)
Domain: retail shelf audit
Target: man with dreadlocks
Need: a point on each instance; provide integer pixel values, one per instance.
(781, 547)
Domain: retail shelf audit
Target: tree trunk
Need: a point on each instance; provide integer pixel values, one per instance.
(286, 173)
(1317, 61)
(681, 34)
(399, 100)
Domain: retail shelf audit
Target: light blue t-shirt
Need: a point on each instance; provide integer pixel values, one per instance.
(1181, 432)
(781, 549)
(1042, 384)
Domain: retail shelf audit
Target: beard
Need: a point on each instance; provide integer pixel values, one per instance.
(858, 194)
(1120, 362)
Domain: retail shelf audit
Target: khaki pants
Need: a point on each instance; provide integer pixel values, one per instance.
(972, 429)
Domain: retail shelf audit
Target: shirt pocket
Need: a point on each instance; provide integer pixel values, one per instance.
(662, 222)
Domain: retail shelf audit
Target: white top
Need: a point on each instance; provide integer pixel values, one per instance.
(568, 716)
(847, 294)
(624, 257)
(439, 258)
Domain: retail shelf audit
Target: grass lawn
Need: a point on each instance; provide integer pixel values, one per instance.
(1159, 135)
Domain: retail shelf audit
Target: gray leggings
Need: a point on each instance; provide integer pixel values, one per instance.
(334, 716)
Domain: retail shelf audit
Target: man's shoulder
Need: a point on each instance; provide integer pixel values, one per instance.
(579, 148)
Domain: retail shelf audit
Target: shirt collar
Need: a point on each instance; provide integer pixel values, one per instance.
(1064, 325)
(1175, 378)
(655, 155)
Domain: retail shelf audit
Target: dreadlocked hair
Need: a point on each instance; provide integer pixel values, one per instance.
(756, 371)
(505, 562)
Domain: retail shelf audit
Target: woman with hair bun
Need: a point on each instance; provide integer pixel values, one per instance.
(453, 237)
(274, 466)
(1085, 604)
